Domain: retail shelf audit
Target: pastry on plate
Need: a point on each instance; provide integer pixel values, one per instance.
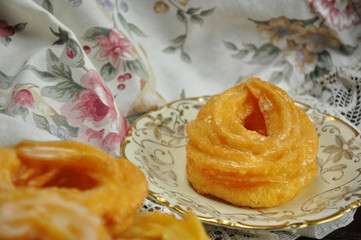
(251, 146)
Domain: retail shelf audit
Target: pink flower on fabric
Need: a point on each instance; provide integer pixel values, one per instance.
(109, 143)
(70, 53)
(24, 98)
(94, 104)
(88, 106)
(114, 49)
(95, 113)
(339, 13)
(86, 49)
(91, 136)
(5, 29)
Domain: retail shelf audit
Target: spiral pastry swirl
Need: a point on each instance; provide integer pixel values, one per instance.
(29, 214)
(251, 146)
(76, 172)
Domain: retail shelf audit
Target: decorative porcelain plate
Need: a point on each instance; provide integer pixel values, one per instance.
(156, 144)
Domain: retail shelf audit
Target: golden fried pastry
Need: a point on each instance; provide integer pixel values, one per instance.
(251, 146)
(28, 214)
(77, 172)
(163, 226)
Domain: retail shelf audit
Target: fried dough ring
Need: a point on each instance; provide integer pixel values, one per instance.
(164, 226)
(77, 172)
(29, 214)
(251, 146)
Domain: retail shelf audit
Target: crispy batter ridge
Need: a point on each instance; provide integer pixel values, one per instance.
(251, 146)
(77, 172)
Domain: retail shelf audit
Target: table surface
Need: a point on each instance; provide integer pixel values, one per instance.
(350, 232)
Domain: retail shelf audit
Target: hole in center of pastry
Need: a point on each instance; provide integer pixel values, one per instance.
(45, 177)
(254, 121)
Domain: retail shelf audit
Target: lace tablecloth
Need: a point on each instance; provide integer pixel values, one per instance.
(77, 70)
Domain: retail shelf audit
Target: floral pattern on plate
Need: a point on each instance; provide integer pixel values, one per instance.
(156, 144)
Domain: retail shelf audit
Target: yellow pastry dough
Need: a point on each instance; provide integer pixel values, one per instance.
(77, 172)
(251, 146)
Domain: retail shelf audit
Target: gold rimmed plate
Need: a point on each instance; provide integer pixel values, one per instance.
(156, 144)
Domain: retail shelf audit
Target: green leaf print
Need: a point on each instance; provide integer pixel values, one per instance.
(50, 56)
(66, 89)
(317, 72)
(130, 27)
(285, 73)
(133, 28)
(5, 81)
(72, 53)
(230, 45)
(306, 22)
(134, 66)
(170, 49)
(265, 54)
(56, 67)
(323, 65)
(61, 121)
(92, 33)
(77, 58)
(185, 57)
(45, 76)
(20, 27)
(180, 16)
(48, 6)
(191, 15)
(5, 41)
(63, 92)
(123, 22)
(41, 122)
(63, 36)
(22, 111)
(324, 60)
(276, 77)
(287, 67)
(250, 47)
(192, 10)
(207, 12)
(240, 54)
(347, 49)
(197, 19)
(179, 39)
(108, 72)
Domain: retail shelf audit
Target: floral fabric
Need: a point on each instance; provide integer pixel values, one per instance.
(79, 69)
(76, 68)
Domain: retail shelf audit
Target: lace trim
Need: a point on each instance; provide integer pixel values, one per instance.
(338, 93)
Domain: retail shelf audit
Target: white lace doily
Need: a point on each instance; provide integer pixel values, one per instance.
(337, 93)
